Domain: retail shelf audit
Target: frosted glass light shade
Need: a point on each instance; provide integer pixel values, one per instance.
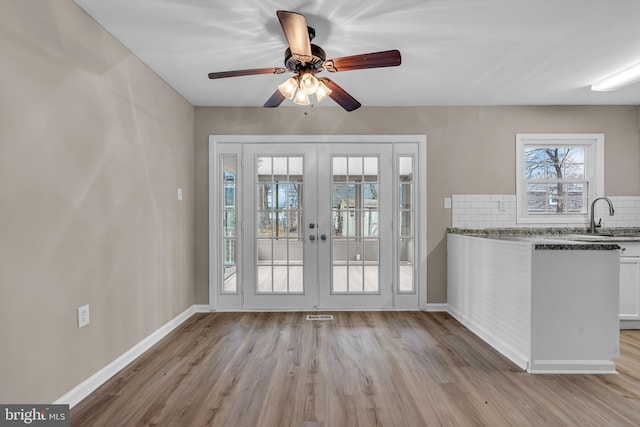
(308, 83)
(322, 92)
(301, 98)
(288, 88)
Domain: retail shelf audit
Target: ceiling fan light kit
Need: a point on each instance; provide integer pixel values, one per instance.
(302, 98)
(323, 91)
(306, 60)
(618, 80)
(288, 89)
(299, 88)
(308, 83)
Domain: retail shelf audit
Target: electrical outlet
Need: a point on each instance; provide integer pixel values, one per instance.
(83, 316)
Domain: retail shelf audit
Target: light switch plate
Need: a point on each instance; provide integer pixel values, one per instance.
(447, 202)
(179, 193)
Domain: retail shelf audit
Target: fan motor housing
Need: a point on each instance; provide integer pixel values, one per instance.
(294, 62)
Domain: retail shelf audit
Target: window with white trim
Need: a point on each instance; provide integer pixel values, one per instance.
(229, 213)
(558, 175)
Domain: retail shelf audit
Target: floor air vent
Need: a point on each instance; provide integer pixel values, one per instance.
(320, 317)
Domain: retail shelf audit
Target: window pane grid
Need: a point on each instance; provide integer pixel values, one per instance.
(280, 214)
(229, 183)
(557, 198)
(556, 179)
(405, 212)
(355, 219)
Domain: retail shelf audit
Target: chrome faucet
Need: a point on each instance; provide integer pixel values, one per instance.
(592, 223)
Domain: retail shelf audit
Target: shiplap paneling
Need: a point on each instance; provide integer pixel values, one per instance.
(489, 291)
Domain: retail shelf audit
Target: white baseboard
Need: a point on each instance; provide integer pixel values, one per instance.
(309, 310)
(82, 390)
(573, 367)
(202, 308)
(629, 324)
(437, 307)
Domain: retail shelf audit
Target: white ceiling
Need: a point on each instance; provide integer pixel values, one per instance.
(454, 52)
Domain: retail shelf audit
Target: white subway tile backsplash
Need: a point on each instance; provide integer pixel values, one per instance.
(483, 211)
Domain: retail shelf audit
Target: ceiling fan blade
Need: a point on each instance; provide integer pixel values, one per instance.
(294, 26)
(340, 96)
(275, 100)
(251, 72)
(387, 58)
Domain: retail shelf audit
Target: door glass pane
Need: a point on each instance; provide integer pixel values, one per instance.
(405, 250)
(295, 166)
(295, 278)
(265, 278)
(265, 193)
(264, 166)
(230, 283)
(371, 278)
(280, 166)
(355, 221)
(291, 227)
(279, 215)
(371, 168)
(369, 221)
(339, 165)
(406, 223)
(356, 279)
(406, 218)
(355, 167)
(339, 279)
(228, 215)
(370, 195)
(265, 224)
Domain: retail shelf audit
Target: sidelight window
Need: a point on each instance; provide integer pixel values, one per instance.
(229, 220)
(406, 218)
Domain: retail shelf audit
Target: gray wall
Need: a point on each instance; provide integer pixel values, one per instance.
(92, 148)
(470, 150)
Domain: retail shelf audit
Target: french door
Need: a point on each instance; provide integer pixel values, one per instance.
(316, 226)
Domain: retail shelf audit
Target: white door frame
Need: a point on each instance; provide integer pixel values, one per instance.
(214, 199)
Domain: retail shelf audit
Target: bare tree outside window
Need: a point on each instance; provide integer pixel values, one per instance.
(555, 180)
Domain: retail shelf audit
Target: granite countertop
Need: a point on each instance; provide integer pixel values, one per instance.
(557, 238)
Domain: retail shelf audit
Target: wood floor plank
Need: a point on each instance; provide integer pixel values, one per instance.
(361, 369)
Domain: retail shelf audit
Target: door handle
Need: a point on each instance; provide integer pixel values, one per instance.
(323, 237)
(312, 237)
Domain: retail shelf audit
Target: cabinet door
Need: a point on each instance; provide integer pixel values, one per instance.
(629, 288)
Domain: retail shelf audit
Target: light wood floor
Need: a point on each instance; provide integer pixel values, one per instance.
(361, 369)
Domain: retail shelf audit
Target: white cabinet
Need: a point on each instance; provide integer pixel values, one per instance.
(630, 286)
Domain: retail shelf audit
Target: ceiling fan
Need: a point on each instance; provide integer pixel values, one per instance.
(305, 60)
